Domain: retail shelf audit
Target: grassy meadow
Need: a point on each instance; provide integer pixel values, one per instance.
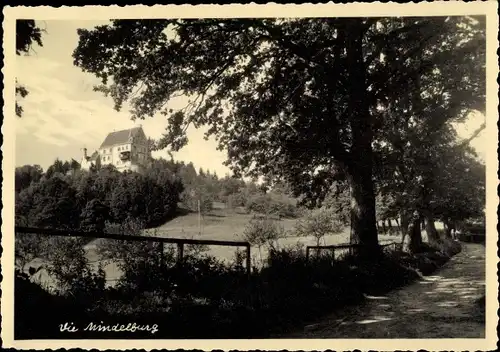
(220, 224)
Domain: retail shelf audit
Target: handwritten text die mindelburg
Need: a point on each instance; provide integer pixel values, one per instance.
(130, 327)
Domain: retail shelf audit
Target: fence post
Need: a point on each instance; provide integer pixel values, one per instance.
(333, 253)
(307, 253)
(180, 252)
(249, 261)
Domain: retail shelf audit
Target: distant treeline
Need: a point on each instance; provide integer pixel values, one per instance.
(67, 197)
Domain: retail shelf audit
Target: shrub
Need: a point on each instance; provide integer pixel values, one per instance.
(447, 246)
(29, 247)
(259, 203)
(139, 261)
(272, 203)
(236, 200)
(72, 271)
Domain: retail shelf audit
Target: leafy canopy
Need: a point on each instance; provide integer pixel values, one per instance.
(276, 92)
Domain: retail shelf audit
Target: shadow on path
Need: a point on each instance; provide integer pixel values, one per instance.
(439, 306)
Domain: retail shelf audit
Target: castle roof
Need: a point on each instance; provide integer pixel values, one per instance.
(120, 137)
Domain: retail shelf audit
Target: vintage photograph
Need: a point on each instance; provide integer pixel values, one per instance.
(286, 177)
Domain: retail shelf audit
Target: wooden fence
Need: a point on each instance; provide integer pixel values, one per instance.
(350, 247)
(180, 242)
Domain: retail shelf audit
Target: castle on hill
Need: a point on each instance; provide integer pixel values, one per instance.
(127, 150)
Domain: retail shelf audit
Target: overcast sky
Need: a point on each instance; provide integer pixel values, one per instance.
(62, 114)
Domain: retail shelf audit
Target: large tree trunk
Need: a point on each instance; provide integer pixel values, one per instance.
(405, 223)
(414, 243)
(364, 230)
(430, 228)
(360, 165)
(449, 227)
(453, 228)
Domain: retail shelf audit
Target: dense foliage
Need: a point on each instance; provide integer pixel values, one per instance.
(306, 100)
(66, 197)
(69, 198)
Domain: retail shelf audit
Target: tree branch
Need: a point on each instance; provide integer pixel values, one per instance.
(474, 135)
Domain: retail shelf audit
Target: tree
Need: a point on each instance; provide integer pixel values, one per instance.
(120, 200)
(94, 216)
(461, 194)
(58, 167)
(72, 270)
(27, 33)
(230, 186)
(262, 232)
(75, 165)
(25, 175)
(417, 132)
(302, 94)
(319, 223)
(338, 200)
(49, 203)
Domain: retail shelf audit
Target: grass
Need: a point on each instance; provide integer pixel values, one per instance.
(219, 224)
(229, 226)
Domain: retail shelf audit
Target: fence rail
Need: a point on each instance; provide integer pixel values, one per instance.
(180, 242)
(350, 247)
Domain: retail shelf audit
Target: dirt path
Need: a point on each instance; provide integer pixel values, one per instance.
(439, 306)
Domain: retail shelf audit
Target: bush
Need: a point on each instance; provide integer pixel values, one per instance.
(72, 271)
(29, 247)
(236, 200)
(32, 306)
(271, 203)
(448, 246)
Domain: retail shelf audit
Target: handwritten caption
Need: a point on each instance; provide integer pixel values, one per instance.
(130, 327)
